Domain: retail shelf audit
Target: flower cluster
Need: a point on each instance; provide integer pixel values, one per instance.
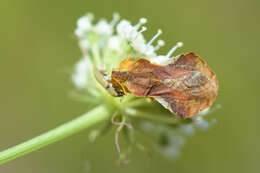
(104, 44)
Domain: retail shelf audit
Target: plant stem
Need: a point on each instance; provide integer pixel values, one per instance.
(88, 119)
(96, 55)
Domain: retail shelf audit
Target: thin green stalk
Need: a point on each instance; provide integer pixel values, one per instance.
(88, 119)
(96, 54)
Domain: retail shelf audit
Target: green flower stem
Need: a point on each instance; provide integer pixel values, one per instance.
(88, 119)
(96, 54)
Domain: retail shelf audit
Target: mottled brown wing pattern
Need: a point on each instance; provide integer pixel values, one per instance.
(196, 81)
(185, 87)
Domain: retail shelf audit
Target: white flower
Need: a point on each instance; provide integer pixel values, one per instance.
(103, 27)
(140, 23)
(129, 32)
(172, 149)
(139, 44)
(187, 129)
(126, 31)
(126, 35)
(115, 19)
(114, 43)
(79, 32)
(159, 32)
(169, 54)
(84, 23)
(149, 51)
(162, 60)
(201, 123)
(79, 77)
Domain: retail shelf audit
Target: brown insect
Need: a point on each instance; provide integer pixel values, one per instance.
(185, 87)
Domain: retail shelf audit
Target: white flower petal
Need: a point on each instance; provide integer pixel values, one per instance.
(201, 124)
(162, 60)
(139, 44)
(126, 30)
(79, 32)
(84, 23)
(79, 77)
(149, 51)
(187, 129)
(114, 43)
(103, 27)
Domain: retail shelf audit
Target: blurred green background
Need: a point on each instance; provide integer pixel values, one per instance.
(37, 48)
